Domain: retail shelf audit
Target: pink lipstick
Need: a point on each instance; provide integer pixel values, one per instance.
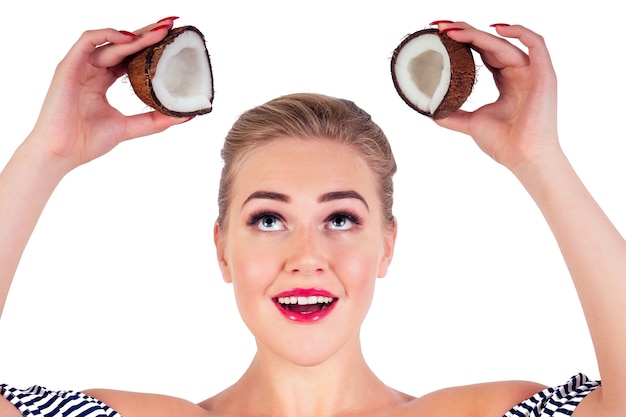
(305, 305)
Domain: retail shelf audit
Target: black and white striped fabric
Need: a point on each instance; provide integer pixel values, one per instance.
(560, 401)
(37, 401)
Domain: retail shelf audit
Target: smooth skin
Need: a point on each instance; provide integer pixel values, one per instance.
(518, 131)
(75, 126)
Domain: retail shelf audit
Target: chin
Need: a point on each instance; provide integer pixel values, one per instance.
(312, 351)
(308, 359)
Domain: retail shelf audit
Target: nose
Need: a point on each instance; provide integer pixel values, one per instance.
(306, 254)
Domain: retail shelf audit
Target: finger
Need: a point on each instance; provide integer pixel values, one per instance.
(495, 52)
(458, 121)
(80, 52)
(114, 53)
(145, 124)
(537, 49)
(151, 26)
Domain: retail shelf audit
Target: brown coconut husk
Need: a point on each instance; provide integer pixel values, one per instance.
(142, 68)
(462, 74)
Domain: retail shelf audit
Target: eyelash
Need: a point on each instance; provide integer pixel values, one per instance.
(256, 217)
(352, 217)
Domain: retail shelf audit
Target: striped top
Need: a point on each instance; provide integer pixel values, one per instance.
(37, 401)
(559, 401)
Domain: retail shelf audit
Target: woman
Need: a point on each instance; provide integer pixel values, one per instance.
(306, 226)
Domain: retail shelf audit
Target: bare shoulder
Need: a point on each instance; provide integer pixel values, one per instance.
(135, 404)
(491, 399)
(7, 409)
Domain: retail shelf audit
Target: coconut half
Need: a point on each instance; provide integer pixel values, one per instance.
(174, 76)
(433, 73)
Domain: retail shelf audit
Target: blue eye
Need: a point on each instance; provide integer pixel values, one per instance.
(266, 222)
(342, 221)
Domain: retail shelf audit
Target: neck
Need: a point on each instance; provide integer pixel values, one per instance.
(275, 386)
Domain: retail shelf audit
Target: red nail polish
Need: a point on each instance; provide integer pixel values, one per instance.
(156, 28)
(450, 30)
(436, 22)
(494, 25)
(168, 18)
(127, 33)
(189, 119)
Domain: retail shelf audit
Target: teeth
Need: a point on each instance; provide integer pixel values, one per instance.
(313, 299)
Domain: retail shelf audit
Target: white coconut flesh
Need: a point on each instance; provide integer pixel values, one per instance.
(422, 71)
(182, 80)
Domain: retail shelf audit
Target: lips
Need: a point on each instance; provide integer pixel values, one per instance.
(305, 305)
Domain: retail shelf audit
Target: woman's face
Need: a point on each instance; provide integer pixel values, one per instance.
(303, 245)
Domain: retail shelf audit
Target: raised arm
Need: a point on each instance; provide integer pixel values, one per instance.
(519, 131)
(76, 124)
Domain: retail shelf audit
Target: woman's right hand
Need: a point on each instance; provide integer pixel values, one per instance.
(77, 123)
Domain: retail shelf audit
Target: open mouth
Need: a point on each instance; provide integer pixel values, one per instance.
(305, 305)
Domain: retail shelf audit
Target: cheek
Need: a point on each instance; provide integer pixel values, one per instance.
(357, 269)
(252, 271)
(249, 288)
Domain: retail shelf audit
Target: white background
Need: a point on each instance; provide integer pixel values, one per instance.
(119, 287)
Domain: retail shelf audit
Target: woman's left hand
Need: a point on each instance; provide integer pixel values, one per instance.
(521, 124)
(519, 131)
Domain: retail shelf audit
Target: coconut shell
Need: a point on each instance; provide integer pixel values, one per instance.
(462, 74)
(142, 67)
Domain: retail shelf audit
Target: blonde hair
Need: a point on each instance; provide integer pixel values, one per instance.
(308, 116)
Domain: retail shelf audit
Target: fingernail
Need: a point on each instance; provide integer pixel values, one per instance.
(189, 119)
(168, 18)
(450, 30)
(495, 25)
(127, 33)
(436, 22)
(156, 28)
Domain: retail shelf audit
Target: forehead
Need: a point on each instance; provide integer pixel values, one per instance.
(304, 164)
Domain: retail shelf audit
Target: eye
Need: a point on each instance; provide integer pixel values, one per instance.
(266, 222)
(342, 221)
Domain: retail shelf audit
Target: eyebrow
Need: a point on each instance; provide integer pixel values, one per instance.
(267, 195)
(324, 198)
(339, 195)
